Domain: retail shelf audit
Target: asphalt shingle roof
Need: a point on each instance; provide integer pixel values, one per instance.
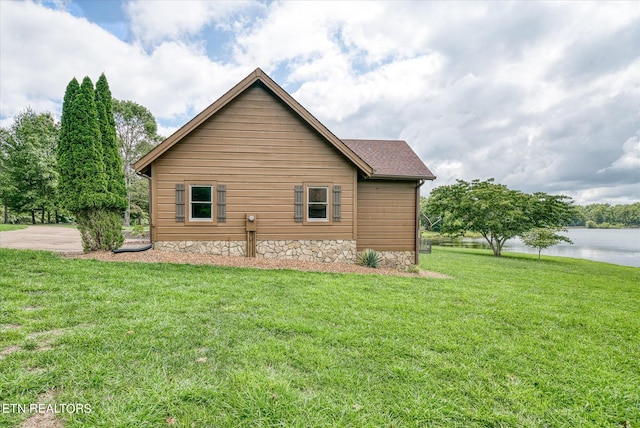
(390, 159)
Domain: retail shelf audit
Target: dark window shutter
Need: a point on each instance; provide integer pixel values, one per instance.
(337, 203)
(222, 203)
(298, 204)
(180, 202)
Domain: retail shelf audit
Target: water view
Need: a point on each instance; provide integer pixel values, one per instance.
(617, 246)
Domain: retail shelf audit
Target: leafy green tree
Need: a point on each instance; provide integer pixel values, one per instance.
(29, 164)
(628, 215)
(600, 213)
(428, 219)
(139, 208)
(542, 238)
(496, 212)
(136, 129)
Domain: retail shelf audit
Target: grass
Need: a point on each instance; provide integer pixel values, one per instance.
(431, 234)
(506, 342)
(9, 227)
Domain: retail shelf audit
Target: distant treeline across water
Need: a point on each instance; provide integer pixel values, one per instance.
(617, 246)
(607, 216)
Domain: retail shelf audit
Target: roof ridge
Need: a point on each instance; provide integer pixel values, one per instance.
(257, 75)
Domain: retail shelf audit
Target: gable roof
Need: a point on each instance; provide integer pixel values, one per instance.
(391, 159)
(256, 76)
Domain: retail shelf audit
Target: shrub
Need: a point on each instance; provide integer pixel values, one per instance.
(100, 229)
(138, 230)
(369, 258)
(413, 269)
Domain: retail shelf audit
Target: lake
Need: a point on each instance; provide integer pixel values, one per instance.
(617, 246)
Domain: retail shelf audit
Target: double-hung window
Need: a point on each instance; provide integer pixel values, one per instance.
(200, 202)
(317, 203)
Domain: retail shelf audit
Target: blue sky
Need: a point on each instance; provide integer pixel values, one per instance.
(542, 96)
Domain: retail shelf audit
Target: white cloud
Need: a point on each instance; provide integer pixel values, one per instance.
(155, 21)
(630, 159)
(540, 96)
(336, 97)
(42, 50)
(614, 195)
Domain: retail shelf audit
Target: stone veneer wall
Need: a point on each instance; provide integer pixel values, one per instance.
(397, 259)
(216, 248)
(335, 250)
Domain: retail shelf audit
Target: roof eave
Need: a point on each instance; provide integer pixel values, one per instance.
(402, 177)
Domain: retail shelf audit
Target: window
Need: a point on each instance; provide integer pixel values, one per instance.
(314, 204)
(317, 204)
(200, 202)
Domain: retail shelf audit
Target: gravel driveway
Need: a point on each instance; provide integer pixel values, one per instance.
(52, 238)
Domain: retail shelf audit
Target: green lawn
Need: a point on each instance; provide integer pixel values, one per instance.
(507, 342)
(8, 227)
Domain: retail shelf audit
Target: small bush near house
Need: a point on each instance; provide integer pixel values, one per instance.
(413, 269)
(138, 230)
(369, 258)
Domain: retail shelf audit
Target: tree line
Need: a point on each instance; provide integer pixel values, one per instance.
(606, 216)
(30, 181)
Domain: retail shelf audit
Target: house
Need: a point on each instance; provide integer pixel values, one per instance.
(256, 175)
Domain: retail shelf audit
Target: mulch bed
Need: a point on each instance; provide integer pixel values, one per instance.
(156, 256)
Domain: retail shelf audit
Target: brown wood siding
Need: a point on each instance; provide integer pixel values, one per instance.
(386, 215)
(260, 150)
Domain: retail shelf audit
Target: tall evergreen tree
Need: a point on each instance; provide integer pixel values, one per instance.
(64, 155)
(90, 180)
(110, 154)
(87, 195)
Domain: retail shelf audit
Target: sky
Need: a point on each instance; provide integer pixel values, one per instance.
(540, 96)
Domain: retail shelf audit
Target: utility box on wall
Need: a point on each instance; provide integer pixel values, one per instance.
(251, 225)
(251, 222)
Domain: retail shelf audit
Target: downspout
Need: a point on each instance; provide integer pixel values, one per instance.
(417, 246)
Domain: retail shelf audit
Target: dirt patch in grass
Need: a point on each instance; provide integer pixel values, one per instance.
(38, 341)
(7, 327)
(8, 351)
(155, 256)
(45, 419)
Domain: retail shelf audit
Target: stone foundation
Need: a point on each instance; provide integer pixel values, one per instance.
(397, 259)
(216, 248)
(328, 251)
(334, 250)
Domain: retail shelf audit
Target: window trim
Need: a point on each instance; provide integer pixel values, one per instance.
(326, 204)
(329, 204)
(188, 185)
